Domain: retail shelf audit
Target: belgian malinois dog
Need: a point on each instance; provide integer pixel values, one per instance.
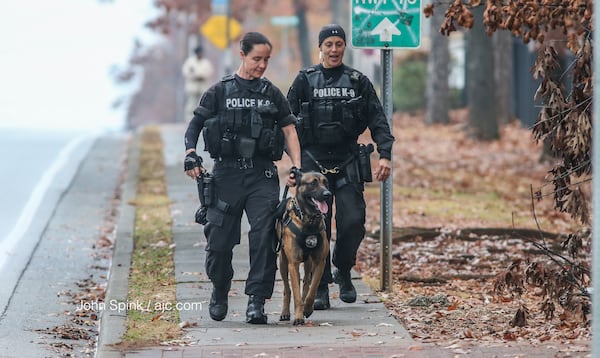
(303, 240)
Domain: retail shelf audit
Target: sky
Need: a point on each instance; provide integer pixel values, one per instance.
(56, 58)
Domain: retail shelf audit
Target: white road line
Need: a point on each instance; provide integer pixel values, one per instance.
(7, 245)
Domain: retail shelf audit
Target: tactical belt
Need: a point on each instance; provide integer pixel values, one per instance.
(244, 163)
(238, 163)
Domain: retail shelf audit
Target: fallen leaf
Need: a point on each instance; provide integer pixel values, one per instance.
(356, 334)
(187, 324)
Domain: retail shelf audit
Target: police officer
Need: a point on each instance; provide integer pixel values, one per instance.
(246, 122)
(335, 104)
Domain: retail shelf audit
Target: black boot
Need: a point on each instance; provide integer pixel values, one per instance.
(347, 290)
(255, 313)
(322, 298)
(217, 308)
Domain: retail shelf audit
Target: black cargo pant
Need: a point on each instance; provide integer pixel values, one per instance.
(254, 191)
(349, 217)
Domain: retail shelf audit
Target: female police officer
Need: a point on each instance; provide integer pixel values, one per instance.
(246, 122)
(335, 104)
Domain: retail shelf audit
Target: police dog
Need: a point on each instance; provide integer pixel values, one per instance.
(303, 239)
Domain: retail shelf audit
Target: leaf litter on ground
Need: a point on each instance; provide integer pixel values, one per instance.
(446, 183)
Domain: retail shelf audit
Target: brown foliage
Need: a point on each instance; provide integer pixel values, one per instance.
(565, 119)
(564, 123)
(480, 259)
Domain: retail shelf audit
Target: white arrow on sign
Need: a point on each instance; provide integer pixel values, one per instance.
(385, 29)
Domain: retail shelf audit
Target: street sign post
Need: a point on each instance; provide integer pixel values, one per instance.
(385, 24)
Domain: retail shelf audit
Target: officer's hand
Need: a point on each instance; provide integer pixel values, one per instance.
(291, 179)
(383, 169)
(192, 165)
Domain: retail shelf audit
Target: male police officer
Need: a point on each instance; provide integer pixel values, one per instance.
(245, 121)
(197, 71)
(335, 104)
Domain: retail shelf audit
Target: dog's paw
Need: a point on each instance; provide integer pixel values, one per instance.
(299, 322)
(284, 317)
(308, 311)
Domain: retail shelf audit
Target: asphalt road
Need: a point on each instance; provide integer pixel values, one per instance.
(37, 167)
(58, 191)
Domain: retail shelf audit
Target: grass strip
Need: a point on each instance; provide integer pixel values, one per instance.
(151, 314)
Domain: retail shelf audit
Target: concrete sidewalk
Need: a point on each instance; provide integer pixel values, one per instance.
(362, 329)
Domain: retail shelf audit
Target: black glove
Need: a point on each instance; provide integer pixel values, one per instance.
(192, 160)
(200, 215)
(295, 172)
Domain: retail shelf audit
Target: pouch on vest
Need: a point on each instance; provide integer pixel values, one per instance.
(212, 136)
(303, 125)
(227, 144)
(331, 133)
(246, 147)
(279, 144)
(271, 143)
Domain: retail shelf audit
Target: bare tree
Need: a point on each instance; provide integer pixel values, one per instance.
(502, 42)
(340, 14)
(565, 119)
(303, 41)
(437, 94)
(483, 122)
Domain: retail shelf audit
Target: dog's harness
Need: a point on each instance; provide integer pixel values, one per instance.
(306, 237)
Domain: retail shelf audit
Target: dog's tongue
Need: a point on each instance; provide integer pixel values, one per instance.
(321, 205)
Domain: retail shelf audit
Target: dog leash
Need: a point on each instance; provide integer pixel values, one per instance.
(335, 170)
(281, 208)
(279, 212)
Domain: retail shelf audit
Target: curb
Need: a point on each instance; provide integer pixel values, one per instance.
(112, 324)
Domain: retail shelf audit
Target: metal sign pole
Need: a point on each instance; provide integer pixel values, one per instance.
(228, 37)
(385, 235)
(386, 25)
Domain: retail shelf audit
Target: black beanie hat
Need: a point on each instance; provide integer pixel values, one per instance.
(331, 30)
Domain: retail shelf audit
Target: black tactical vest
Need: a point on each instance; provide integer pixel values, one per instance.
(334, 107)
(246, 125)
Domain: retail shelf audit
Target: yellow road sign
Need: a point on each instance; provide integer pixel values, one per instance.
(215, 29)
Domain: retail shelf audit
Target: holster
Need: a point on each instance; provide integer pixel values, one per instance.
(364, 162)
(200, 215)
(208, 198)
(304, 127)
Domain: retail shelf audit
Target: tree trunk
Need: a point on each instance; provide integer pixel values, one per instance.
(483, 121)
(340, 14)
(502, 41)
(303, 32)
(437, 93)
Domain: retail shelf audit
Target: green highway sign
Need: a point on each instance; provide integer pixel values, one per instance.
(385, 24)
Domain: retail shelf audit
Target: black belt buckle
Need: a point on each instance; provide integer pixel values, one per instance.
(245, 163)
